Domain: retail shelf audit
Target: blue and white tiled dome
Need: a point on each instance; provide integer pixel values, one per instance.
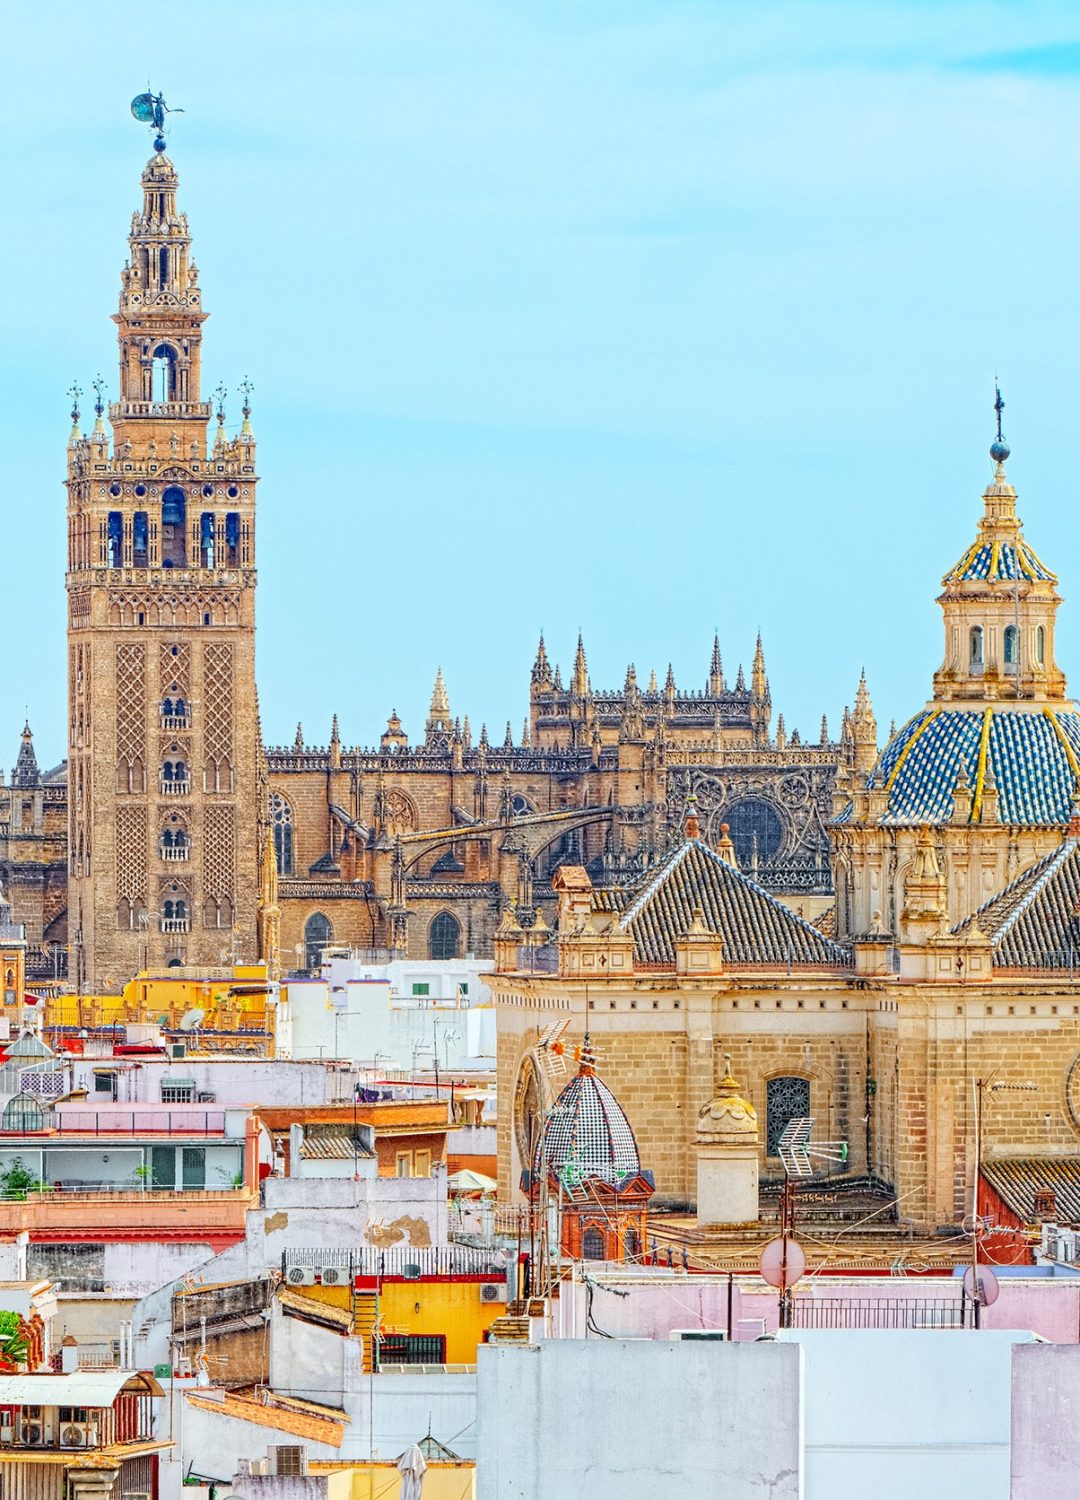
(587, 1133)
(1032, 756)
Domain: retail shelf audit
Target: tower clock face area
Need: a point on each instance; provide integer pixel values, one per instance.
(163, 746)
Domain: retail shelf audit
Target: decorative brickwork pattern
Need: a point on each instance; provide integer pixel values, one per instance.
(131, 862)
(130, 716)
(175, 669)
(219, 864)
(218, 714)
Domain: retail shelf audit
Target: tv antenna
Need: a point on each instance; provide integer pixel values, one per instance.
(783, 1260)
(151, 109)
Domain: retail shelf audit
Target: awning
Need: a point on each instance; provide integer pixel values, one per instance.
(78, 1388)
(468, 1181)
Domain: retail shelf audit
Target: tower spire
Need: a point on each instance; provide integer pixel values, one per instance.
(579, 682)
(716, 669)
(438, 721)
(541, 672)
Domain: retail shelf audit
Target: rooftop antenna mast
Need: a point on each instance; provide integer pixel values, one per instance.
(151, 109)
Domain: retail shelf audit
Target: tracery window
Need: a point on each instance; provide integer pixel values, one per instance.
(281, 821)
(786, 1099)
(756, 830)
(444, 937)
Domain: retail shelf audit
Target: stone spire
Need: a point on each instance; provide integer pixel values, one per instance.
(26, 773)
(298, 740)
(541, 672)
(438, 720)
(759, 682)
(716, 670)
(579, 682)
(508, 740)
(335, 743)
(864, 729)
(824, 730)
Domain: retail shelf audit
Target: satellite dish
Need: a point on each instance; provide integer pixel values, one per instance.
(192, 1018)
(783, 1261)
(987, 1285)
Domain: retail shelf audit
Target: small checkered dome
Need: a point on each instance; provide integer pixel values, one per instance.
(586, 1133)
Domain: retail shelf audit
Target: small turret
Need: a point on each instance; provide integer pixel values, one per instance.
(864, 729)
(438, 720)
(716, 670)
(26, 773)
(393, 736)
(335, 744)
(541, 672)
(579, 682)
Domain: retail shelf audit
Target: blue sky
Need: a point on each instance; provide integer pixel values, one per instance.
(643, 318)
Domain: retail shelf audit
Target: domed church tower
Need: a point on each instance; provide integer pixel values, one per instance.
(979, 784)
(586, 1168)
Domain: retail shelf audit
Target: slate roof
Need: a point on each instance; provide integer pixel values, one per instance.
(1017, 1179)
(1033, 758)
(1035, 921)
(755, 927)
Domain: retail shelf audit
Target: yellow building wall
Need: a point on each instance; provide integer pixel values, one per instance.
(381, 1481)
(452, 1308)
(150, 996)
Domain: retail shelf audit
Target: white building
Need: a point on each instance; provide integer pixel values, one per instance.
(402, 1016)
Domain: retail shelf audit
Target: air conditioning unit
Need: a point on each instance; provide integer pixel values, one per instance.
(75, 1435)
(698, 1335)
(33, 1433)
(207, 1098)
(7, 1433)
(493, 1291)
(410, 1271)
(334, 1275)
(33, 1412)
(183, 1367)
(178, 1049)
(300, 1275)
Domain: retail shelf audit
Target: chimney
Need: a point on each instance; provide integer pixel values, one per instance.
(296, 1140)
(69, 1354)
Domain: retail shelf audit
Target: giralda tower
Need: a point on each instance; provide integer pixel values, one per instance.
(163, 736)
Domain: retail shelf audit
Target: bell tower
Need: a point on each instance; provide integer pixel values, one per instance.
(163, 727)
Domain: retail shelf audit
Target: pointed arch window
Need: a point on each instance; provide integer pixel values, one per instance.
(282, 824)
(975, 648)
(1011, 643)
(116, 539)
(444, 936)
(318, 935)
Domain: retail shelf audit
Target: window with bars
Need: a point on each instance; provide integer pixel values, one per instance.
(413, 1349)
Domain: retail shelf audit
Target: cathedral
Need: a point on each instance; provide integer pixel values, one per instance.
(951, 962)
(864, 933)
(172, 826)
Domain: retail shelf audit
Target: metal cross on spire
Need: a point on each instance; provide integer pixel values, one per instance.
(999, 407)
(999, 448)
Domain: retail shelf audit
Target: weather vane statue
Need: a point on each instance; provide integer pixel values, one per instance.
(151, 109)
